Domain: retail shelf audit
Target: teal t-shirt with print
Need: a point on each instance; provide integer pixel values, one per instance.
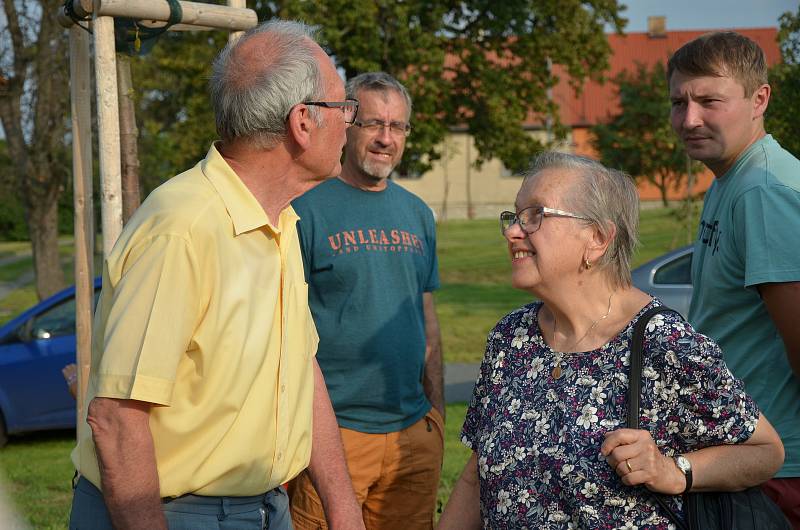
(369, 257)
(750, 234)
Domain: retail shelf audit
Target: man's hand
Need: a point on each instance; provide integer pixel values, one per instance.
(126, 456)
(328, 468)
(783, 305)
(433, 378)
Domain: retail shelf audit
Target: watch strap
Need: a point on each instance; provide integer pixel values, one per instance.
(687, 473)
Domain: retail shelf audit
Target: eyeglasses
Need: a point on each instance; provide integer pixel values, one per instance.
(397, 128)
(349, 107)
(530, 219)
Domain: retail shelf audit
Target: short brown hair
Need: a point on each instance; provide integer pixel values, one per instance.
(723, 53)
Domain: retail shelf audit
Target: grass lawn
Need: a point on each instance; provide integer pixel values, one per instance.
(455, 453)
(36, 472)
(475, 293)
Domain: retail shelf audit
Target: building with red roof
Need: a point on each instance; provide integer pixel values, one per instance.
(454, 188)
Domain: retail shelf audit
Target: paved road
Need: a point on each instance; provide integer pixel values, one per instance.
(459, 379)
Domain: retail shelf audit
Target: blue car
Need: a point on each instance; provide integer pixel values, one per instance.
(34, 347)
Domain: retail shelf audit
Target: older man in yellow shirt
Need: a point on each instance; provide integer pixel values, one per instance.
(204, 386)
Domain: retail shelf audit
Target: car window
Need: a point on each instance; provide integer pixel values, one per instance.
(56, 321)
(677, 271)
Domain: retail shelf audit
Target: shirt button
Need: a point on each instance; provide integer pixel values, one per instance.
(283, 389)
(280, 456)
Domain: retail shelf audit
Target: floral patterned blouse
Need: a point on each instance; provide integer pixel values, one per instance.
(537, 436)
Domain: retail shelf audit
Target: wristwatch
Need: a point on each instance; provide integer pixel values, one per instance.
(686, 468)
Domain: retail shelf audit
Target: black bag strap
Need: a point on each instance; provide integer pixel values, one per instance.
(635, 390)
(635, 377)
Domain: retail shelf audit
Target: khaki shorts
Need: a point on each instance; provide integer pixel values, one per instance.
(395, 477)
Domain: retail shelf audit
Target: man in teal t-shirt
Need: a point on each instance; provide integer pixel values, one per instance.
(369, 248)
(746, 264)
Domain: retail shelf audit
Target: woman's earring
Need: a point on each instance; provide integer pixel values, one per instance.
(587, 263)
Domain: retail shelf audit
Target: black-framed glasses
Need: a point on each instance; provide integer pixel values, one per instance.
(397, 128)
(349, 108)
(530, 219)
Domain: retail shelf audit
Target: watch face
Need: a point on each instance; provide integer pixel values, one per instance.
(683, 464)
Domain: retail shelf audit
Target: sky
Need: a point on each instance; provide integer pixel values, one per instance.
(707, 14)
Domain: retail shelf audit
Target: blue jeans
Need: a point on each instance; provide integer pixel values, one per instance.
(191, 512)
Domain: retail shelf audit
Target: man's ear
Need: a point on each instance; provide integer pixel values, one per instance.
(599, 242)
(299, 124)
(761, 100)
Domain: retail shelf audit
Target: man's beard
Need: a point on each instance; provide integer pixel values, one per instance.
(376, 170)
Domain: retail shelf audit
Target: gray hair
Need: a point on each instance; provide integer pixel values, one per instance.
(252, 98)
(606, 197)
(379, 82)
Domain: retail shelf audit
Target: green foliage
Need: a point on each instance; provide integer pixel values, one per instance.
(783, 115)
(789, 37)
(174, 114)
(12, 219)
(12, 215)
(476, 64)
(639, 140)
(402, 38)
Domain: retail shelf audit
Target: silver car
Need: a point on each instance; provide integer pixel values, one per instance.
(668, 277)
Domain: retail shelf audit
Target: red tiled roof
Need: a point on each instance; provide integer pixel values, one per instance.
(599, 101)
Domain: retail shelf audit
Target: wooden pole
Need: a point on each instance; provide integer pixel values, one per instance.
(194, 13)
(470, 209)
(239, 4)
(128, 135)
(108, 130)
(81, 108)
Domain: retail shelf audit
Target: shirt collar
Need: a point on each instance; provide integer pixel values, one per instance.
(245, 211)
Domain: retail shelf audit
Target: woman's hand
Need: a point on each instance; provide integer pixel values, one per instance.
(635, 457)
(70, 372)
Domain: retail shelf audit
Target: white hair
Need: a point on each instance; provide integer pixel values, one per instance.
(251, 99)
(607, 197)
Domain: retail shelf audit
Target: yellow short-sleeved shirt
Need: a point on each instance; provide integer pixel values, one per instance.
(204, 310)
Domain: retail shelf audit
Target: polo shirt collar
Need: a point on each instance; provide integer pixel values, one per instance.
(245, 211)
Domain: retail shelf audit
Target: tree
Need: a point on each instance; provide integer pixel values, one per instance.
(33, 111)
(639, 139)
(783, 114)
(473, 64)
(176, 123)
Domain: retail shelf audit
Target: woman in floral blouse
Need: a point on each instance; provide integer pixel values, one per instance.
(546, 423)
